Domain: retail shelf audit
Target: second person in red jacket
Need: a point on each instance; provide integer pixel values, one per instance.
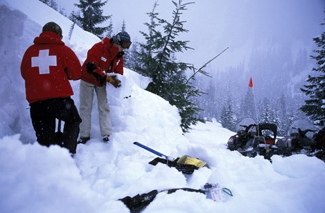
(103, 60)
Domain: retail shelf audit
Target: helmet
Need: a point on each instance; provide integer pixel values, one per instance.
(53, 27)
(123, 39)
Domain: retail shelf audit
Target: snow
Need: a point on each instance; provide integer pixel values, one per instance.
(34, 178)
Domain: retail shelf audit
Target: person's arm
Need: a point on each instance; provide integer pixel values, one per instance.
(72, 64)
(119, 66)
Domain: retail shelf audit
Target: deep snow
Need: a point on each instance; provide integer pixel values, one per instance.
(34, 178)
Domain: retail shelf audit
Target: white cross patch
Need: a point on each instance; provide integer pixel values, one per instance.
(43, 61)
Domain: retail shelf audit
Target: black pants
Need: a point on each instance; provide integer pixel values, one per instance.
(44, 115)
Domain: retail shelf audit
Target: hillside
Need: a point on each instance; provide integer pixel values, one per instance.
(34, 178)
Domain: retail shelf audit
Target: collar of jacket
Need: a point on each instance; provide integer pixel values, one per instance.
(48, 37)
(112, 51)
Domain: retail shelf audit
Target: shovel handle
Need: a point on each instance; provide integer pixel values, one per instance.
(151, 150)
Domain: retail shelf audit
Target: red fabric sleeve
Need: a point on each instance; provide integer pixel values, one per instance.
(71, 64)
(119, 66)
(94, 54)
(99, 72)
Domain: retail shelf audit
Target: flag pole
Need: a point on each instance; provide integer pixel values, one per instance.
(250, 84)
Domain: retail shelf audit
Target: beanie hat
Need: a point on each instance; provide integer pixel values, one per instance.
(123, 39)
(53, 27)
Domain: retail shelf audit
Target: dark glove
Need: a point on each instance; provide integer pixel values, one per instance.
(112, 79)
(99, 74)
(119, 54)
(90, 67)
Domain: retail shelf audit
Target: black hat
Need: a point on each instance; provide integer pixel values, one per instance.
(123, 39)
(53, 27)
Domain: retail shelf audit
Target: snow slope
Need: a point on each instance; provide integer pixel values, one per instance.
(34, 178)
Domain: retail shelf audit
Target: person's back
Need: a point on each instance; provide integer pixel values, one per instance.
(47, 66)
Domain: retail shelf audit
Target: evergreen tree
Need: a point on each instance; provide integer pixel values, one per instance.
(206, 100)
(127, 52)
(269, 115)
(109, 32)
(315, 89)
(91, 15)
(227, 116)
(132, 59)
(292, 117)
(248, 105)
(51, 3)
(157, 60)
(283, 116)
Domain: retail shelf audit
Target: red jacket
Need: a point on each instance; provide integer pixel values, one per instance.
(47, 66)
(102, 54)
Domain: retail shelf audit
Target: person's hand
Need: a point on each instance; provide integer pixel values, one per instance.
(112, 79)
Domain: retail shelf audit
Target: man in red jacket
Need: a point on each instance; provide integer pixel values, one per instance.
(47, 66)
(103, 60)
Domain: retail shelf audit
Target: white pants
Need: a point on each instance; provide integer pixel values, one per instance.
(86, 101)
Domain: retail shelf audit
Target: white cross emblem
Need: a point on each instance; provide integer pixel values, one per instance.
(43, 61)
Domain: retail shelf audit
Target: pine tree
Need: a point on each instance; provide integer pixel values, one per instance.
(132, 58)
(157, 60)
(268, 114)
(127, 52)
(91, 15)
(51, 3)
(315, 89)
(227, 116)
(205, 101)
(248, 105)
(283, 116)
(109, 32)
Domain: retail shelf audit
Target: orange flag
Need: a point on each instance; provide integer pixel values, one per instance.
(250, 83)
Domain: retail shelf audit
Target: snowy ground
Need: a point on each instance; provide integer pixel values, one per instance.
(34, 178)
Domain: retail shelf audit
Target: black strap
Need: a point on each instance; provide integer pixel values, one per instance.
(138, 202)
(170, 191)
(185, 169)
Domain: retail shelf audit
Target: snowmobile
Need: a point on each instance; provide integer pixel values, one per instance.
(262, 140)
(246, 129)
(297, 142)
(303, 141)
(240, 139)
(303, 138)
(254, 139)
(266, 139)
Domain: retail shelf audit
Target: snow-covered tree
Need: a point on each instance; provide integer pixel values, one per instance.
(248, 105)
(228, 118)
(51, 3)
(169, 76)
(315, 89)
(90, 16)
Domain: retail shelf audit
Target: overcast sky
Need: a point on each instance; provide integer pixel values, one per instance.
(216, 24)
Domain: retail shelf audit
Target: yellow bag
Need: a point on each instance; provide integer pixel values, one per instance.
(188, 160)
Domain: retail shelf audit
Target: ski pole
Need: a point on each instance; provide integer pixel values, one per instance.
(154, 151)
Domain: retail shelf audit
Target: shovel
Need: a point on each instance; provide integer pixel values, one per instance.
(185, 164)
